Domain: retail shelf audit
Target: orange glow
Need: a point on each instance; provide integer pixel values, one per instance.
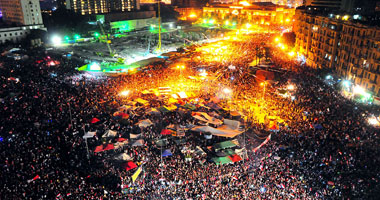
(244, 3)
(192, 15)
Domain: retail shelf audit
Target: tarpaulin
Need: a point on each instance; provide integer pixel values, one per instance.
(94, 120)
(129, 165)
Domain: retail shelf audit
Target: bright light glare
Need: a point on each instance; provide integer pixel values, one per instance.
(328, 77)
(291, 87)
(244, 3)
(358, 90)
(291, 53)
(373, 121)
(124, 93)
(95, 67)
(227, 90)
(192, 15)
(56, 40)
(277, 39)
(346, 83)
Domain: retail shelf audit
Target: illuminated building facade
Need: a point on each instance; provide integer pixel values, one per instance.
(21, 12)
(256, 13)
(334, 41)
(86, 7)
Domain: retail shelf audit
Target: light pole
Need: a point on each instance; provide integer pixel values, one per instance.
(263, 84)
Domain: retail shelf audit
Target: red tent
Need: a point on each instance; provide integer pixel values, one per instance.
(235, 158)
(98, 149)
(121, 139)
(95, 120)
(274, 127)
(165, 132)
(106, 147)
(109, 147)
(129, 165)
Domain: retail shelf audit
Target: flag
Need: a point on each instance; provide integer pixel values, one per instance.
(136, 174)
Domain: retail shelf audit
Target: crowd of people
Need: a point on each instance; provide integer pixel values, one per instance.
(46, 110)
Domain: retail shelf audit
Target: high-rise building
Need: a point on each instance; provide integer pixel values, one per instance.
(85, 7)
(21, 12)
(340, 42)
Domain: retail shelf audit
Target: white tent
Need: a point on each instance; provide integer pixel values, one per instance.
(89, 135)
(139, 142)
(202, 116)
(134, 136)
(229, 129)
(123, 156)
(109, 133)
(145, 123)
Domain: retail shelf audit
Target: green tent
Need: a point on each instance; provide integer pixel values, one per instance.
(224, 145)
(189, 106)
(222, 160)
(229, 152)
(163, 109)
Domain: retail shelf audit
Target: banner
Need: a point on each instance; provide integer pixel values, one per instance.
(262, 144)
(136, 174)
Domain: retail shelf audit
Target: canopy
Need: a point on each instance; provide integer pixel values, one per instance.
(134, 136)
(139, 142)
(202, 116)
(224, 145)
(110, 133)
(122, 156)
(129, 165)
(235, 158)
(101, 148)
(89, 135)
(145, 123)
(121, 114)
(199, 151)
(163, 109)
(166, 132)
(166, 153)
(121, 140)
(141, 101)
(230, 129)
(222, 160)
(94, 120)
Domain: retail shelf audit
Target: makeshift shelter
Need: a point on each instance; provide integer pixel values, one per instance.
(166, 132)
(109, 133)
(142, 101)
(221, 160)
(204, 117)
(139, 142)
(161, 142)
(121, 140)
(262, 75)
(235, 158)
(224, 145)
(229, 152)
(94, 120)
(121, 115)
(163, 109)
(123, 156)
(166, 153)
(129, 165)
(199, 151)
(101, 148)
(89, 135)
(229, 129)
(134, 136)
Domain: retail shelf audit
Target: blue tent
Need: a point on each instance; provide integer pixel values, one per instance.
(167, 152)
(318, 126)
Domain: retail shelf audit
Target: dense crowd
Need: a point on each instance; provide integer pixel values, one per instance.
(46, 110)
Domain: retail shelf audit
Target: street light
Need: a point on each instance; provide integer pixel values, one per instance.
(56, 40)
(124, 93)
(263, 84)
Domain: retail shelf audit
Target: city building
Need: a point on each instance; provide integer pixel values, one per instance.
(21, 12)
(15, 34)
(88, 7)
(340, 42)
(256, 13)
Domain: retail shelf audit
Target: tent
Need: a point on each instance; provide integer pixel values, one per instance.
(166, 132)
(142, 101)
(229, 152)
(134, 136)
(318, 126)
(139, 142)
(189, 106)
(89, 135)
(235, 158)
(221, 131)
(101, 148)
(145, 123)
(123, 156)
(109, 133)
(129, 165)
(199, 151)
(224, 145)
(166, 153)
(163, 109)
(121, 140)
(161, 142)
(94, 120)
(222, 160)
(121, 114)
(202, 116)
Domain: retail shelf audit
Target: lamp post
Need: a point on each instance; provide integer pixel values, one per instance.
(263, 84)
